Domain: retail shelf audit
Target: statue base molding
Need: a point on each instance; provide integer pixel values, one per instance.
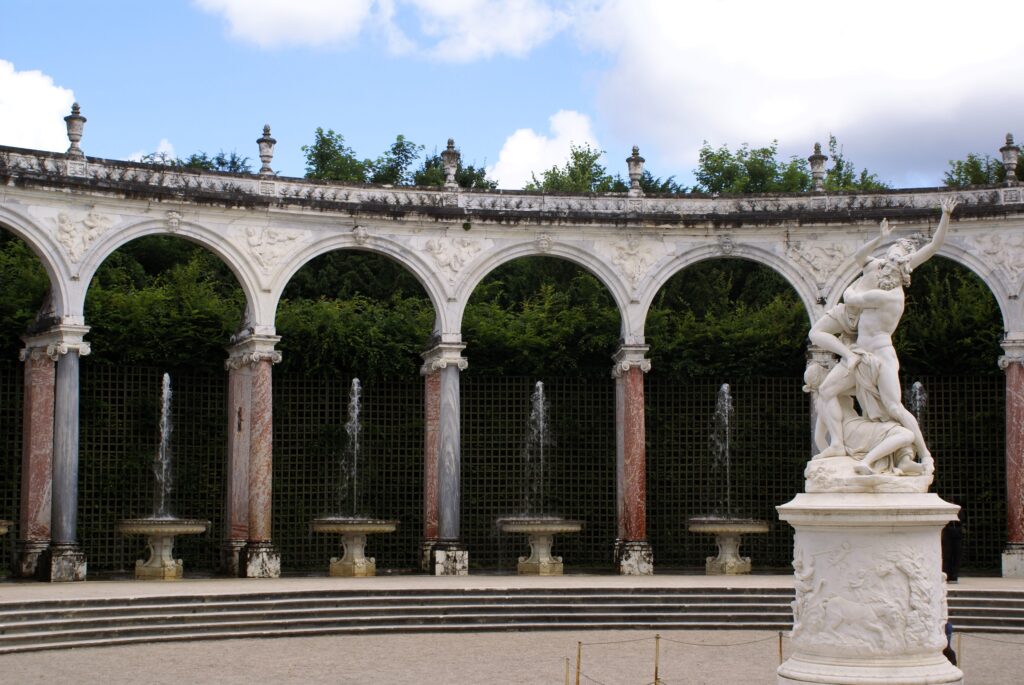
(870, 603)
(634, 558)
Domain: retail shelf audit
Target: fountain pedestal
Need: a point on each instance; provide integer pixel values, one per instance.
(353, 563)
(870, 601)
(161, 564)
(728, 533)
(541, 533)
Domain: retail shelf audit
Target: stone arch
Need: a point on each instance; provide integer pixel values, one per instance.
(797, 279)
(376, 245)
(211, 240)
(582, 258)
(53, 263)
(954, 253)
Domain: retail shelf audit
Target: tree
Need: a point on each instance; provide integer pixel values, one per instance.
(977, 170)
(843, 174)
(230, 162)
(392, 168)
(329, 159)
(581, 173)
(749, 171)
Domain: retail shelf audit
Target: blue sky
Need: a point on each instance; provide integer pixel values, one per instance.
(905, 86)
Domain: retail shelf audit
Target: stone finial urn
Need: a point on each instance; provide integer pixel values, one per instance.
(76, 126)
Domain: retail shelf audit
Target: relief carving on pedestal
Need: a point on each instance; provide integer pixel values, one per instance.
(77, 236)
(884, 607)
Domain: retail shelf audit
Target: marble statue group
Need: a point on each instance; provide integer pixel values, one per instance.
(883, 437)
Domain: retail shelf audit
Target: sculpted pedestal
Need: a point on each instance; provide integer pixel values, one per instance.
(870, 601)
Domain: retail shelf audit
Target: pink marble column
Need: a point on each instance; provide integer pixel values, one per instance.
(1013, 364)
(36, 458)
(250, 447)
(236, 533)
(431, 449)
(442, 552)
(632, 551)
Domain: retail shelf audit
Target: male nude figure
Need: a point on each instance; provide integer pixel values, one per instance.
(860, 331)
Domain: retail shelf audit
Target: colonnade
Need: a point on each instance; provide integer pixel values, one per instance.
(48, 546)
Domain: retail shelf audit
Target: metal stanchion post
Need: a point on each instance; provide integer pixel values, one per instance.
(657, 646)
(579, 658)
(566, 670)
(780, 648)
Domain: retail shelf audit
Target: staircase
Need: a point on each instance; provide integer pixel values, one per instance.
(62, 624)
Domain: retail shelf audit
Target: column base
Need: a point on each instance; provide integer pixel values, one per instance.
(447, 559)
(31, 555)
(1013, 560)
(427, 555)
(634, 558)
(262, 561)
(232, 558)
(63, 564)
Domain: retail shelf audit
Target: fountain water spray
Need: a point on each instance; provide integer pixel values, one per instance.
(353, 429)
(536, 442)
(162, 462)
(918, 400)
(720, 441)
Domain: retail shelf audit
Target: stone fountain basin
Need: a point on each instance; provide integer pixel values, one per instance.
(353, 530)
(4, 525)
(541, 531)
(538, 525)
(161, 531)
(728, 533)
(725, 526)
(352, 525)
(162, 526)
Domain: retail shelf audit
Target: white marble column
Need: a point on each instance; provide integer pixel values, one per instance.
(443, 553)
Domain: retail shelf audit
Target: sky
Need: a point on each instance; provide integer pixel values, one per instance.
(905, 86)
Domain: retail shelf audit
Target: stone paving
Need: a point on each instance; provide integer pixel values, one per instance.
(616, 657)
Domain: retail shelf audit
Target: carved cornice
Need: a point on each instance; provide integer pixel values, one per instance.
(442, 356)
(250, 349)
(51, 170)
(630, 357)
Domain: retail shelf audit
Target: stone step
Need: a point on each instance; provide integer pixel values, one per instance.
(48, 624)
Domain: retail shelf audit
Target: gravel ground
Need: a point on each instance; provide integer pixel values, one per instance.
(609, 658)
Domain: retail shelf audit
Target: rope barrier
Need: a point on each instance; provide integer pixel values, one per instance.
(990, 639)
(730, 644)
(617, 642)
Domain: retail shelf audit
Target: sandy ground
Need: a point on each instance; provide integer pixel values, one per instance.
(609, 658)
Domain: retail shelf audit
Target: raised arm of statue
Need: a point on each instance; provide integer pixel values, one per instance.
(864, 253)
(925, 253)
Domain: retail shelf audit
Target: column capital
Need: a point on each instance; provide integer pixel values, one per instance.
(251, 348)
(629, 357)
(1013, 346)
(443, 355)
(56, 341)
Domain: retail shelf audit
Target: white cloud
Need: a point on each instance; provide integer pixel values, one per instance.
(751, 71)
(164, 150)
(466, 30)
(32, 110)
(281, 23)
(447, 30)
(526, 151)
